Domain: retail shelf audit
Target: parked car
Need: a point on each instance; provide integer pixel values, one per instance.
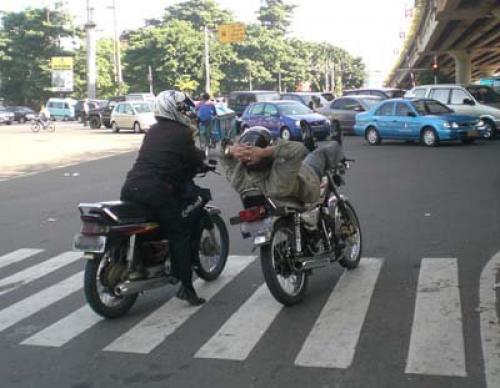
(283, 119)
(93, 104)
(383, 93)
(6, 116)
(312, 100)
(343, 110)
(102, 114)
(239, 100)
(474, 100)
(135, 115)
(22, 113)
(61, 108)
(149, 97)
(425, 120)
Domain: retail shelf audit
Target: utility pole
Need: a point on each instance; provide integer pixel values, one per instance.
(326, 74)
(207, 62)
(118, 61)
(150, 79)
(91, 53)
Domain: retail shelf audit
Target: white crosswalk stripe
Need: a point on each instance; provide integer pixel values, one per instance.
(35, 272)
(17, 256)
(154, 329)
(333, 339)
(66, 329)
(37, 302)
(437, 343)
(238, 336)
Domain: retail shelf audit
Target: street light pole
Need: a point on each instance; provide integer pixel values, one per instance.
(118, 63)
(207, 62)
(91, 53)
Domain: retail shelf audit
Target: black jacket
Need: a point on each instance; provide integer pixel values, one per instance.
(167, 156)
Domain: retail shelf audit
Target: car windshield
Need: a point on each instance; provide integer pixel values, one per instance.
(266, 97)
(370, 102)
(294, 109)
(143, 107)
(395, 93)
(430, 107)
(484, 94)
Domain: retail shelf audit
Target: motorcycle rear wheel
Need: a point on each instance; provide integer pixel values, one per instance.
(213, 254)
(354, 242)
(99, 296)
(287, 285)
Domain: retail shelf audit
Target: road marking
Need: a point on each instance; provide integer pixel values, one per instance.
(37, 271)
(37, 302)
(155, 328)
(239, 335)
(333, 338)
(437, 342)
(490, 322)
(66, 329)
(17, 256)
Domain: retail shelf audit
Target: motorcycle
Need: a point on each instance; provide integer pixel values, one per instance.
(120, 239)
(295, 240)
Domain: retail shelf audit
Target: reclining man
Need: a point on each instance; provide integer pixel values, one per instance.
(281, 171)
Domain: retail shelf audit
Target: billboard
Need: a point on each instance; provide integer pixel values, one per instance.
(231, 33)
(62, 74)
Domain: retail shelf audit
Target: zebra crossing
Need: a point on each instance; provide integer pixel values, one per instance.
(436, 342)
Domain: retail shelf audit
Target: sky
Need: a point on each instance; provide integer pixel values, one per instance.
(366, 28)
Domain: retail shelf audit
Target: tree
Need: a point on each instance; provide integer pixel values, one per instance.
(199, 13)
(276, 15)
(28, 40)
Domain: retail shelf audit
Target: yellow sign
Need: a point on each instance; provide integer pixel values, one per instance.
(231, 33)
(61, 63)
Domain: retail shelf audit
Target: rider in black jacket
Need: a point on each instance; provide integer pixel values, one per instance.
(166, 164)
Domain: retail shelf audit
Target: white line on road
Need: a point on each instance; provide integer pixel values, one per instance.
(37, 302)
(17, 256)
(239, 335)
(37, 271)
(490, 322)
(334, 336)
(66, 329)
(155, 328)
(437, 342)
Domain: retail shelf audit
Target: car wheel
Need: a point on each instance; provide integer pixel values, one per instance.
(372, 136)
(8, 122)
(22, 120)
(137, 127)
(286, 134)
(430, 137)
(490, 130)
(95, 122)
(115, 127)
(65, 118)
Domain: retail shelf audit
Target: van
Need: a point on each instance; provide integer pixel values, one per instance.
(239, 100)
(473, 100)
(61, 108)
(141, 97)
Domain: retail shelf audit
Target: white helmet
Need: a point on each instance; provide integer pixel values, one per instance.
(174, 105)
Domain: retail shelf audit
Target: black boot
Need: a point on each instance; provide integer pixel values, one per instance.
(189, 295)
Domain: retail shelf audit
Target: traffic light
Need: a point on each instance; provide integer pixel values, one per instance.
(435, 70)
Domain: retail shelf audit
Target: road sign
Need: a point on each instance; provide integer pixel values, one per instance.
(231, 33)
(61, 63)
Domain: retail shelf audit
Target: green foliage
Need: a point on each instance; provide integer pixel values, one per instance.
(28, 40)
(199, 13)
(276, 15)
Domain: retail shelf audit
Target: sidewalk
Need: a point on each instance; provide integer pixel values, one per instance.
(24, 152)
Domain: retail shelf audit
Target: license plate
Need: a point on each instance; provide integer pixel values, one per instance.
(84, 243)
(250, 229)
(473, 133)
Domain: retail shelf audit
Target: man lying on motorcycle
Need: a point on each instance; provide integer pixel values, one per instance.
(160, 178)
(281, 170)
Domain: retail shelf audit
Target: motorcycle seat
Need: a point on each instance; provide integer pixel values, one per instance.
(291, 203)
(126, 212)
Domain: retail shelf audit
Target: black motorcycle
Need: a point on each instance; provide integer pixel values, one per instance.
(121, 240)
(294, 240)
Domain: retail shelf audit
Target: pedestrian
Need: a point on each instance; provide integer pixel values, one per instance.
(86, 110)
(206, 114)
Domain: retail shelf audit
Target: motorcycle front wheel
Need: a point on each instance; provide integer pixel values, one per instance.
(102, 274)
(287, 285)
(214, 249)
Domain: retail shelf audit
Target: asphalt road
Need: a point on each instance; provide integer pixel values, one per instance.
(423, 212)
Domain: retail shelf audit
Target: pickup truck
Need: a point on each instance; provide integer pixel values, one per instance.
(102, 115)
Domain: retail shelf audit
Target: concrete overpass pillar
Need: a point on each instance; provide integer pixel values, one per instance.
(463, 66)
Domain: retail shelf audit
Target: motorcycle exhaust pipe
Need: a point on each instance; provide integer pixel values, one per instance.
(134, 287)
(313, 262)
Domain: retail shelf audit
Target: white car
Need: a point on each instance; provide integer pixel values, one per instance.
(135, 115)
(473, 100)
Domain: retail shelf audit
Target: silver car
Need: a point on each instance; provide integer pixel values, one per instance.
(135, 115)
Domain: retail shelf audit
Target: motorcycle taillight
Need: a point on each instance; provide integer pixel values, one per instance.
(253, 214)
(94, 228)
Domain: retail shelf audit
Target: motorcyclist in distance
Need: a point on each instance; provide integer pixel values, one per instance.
(165, 166)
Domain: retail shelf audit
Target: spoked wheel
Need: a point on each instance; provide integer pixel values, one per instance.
(349, 233)
(102, 275)
(214, 249)
(287, 285)
(51, 127)
(35, 127)
(430, 137)
(490, 130)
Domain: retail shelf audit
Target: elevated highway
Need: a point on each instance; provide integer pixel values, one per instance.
(463, 35)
